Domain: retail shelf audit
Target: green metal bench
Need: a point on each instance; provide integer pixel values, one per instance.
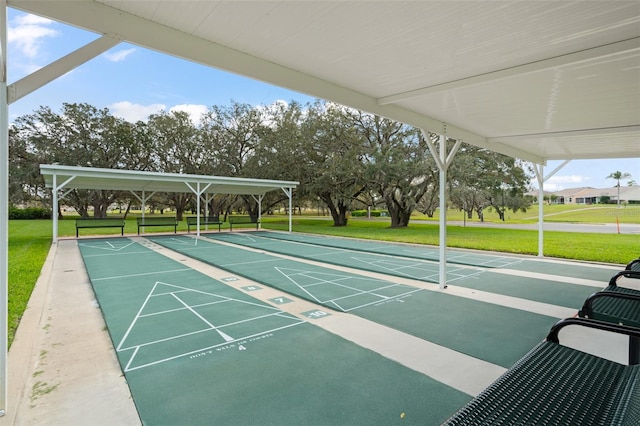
(105, 222)
(242, 219)
(614, 303)
(558, 385)
(213, 220)
(157, 221)
(634, 265)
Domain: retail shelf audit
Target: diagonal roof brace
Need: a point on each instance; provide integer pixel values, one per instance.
(58, 68)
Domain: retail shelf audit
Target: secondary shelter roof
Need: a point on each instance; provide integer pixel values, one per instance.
(128, 180)
(538, 80)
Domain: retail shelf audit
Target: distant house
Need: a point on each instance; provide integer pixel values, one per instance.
(571, 195)
(588, 195)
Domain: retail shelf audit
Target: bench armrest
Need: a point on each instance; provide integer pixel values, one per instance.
(587, 308)
(599, 325)
(625, 273)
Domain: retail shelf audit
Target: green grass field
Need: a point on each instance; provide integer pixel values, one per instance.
(29, 241)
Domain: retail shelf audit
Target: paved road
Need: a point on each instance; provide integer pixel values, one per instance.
(604, 228)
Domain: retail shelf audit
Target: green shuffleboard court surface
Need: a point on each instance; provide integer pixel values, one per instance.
(453, 256)
(402, 250)
(539, 290)
(196, 351)
(497, 334)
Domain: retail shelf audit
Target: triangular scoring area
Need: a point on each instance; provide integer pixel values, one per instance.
(175, 321)
(342, 292)
(108, 245)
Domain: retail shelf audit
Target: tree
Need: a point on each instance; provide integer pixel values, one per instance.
(479, 178)
(618, 176)
(81, 135)
(330, 160)
(397, 164)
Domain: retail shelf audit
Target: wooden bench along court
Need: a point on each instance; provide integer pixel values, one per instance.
(242, 219)
(105, 222)
(555, 384)
(213, 220)
(157, 221)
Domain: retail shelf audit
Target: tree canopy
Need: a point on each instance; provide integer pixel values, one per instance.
(341, 157)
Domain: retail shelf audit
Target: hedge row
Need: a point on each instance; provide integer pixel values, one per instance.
(374, 213)
(29, 213)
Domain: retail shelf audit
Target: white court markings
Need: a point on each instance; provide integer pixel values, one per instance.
(405, 266)
(413, 252)
(107, 246)
(345, 293)
(417, 269)
(176, 321)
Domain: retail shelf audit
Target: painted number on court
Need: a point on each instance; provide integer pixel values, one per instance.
(228, 279)
(280, 300)
(317, 314)
(251, 288)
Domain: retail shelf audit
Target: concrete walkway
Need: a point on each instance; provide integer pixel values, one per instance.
(62, 365)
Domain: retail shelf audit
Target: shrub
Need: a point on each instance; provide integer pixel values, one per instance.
(374, 213)
(29, 213)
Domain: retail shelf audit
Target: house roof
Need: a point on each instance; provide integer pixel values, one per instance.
(535, 80)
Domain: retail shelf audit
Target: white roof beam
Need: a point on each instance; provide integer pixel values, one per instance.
(618, 48)
(59, 68)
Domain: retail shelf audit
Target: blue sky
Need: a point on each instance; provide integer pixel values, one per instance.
(134, 82)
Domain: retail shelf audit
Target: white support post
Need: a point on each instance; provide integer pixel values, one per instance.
(4, 211)
(197, 212)
(55, 199)
(54, 208)
(443, 161)
(260, 197)
(198, 191)
(442, 270)
(289, 193)
(541, 178)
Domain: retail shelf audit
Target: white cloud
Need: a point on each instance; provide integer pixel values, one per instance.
(135, 112)
(195, 111)
(27, 33)
(120, 55)
(569, 179)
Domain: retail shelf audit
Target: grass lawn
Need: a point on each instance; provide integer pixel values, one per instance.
(29, 241)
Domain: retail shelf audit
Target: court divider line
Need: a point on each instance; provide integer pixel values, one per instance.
(462, 372)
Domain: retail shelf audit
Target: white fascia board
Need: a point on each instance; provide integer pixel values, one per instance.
(172, 182)
(103, 19)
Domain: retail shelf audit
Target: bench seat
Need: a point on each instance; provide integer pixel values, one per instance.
(242, 219)
(213, 220)
(558, 385)
(105, 222)
(157, 221)
(614, 303)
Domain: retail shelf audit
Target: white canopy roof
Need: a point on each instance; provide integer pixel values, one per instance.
(538, 80)
(128, 180)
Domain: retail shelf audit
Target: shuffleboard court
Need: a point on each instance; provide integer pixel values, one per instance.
(587, 271)
(540, 290)
(406, 267)
(197, 351)
(402, 250)
(472, 327)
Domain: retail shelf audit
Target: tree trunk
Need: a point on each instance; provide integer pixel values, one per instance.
(339, 214)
